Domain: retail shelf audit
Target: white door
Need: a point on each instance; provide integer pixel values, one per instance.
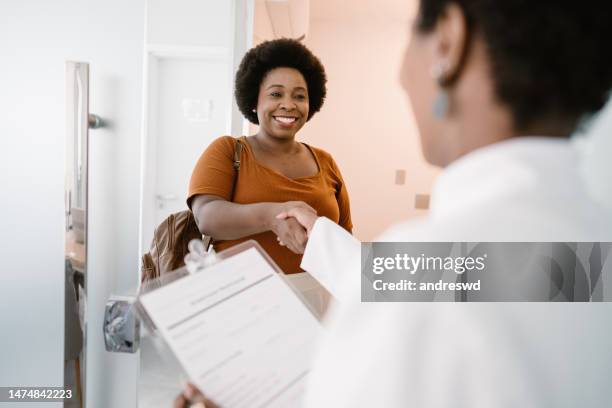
(193, 108)
(37, 38)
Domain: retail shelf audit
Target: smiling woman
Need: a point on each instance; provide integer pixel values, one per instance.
(280, 85)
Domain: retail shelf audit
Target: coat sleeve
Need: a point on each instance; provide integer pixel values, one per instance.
(333, 257)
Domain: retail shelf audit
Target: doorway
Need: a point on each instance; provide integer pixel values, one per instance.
(189, 105)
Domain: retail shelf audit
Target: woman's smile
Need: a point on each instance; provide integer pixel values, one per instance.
(285, 121)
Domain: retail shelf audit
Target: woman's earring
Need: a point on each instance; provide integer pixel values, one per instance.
(440, 105)
(254, 110)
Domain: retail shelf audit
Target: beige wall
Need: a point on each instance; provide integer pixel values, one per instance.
(366, 122)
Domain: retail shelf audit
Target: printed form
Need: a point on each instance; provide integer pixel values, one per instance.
(241, 334)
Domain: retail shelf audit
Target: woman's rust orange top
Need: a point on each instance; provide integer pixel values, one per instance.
(325, 192)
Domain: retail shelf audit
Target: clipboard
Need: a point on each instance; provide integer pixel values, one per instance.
(238, 328)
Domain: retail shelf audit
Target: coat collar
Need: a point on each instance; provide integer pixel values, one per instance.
(521, 165)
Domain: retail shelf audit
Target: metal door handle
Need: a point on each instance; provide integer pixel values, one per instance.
(121, 325)
(95, 122)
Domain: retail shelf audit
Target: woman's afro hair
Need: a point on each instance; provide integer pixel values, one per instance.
(265, 57)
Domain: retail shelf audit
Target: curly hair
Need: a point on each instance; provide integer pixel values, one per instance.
(550, 59)
(268, 55)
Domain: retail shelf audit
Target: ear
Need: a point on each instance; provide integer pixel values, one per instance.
(451, 43)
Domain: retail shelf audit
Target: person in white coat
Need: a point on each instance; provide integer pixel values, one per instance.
(497, 88)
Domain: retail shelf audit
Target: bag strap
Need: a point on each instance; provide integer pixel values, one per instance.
(237, 154)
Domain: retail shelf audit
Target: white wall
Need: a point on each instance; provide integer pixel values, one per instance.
(36, 38)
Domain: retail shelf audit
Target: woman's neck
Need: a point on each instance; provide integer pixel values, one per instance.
(275, 144)
(492, 128)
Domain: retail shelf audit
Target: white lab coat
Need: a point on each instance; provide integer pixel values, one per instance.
(477, 355)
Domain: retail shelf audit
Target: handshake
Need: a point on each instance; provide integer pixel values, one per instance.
(292, 222)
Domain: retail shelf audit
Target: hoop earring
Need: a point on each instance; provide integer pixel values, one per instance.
(439, 108)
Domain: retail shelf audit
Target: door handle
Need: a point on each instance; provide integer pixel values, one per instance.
(121, 325)
(95, 122)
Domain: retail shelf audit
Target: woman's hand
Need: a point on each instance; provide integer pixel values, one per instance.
(291, 234)
(288, 231)
(192, 397)
(305, 216)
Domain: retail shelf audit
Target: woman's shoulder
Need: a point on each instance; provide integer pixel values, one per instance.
(223, 141)
(222, 145)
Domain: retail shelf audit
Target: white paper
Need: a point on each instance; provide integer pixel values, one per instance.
(241, 334)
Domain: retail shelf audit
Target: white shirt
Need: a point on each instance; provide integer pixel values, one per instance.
(470, 354)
